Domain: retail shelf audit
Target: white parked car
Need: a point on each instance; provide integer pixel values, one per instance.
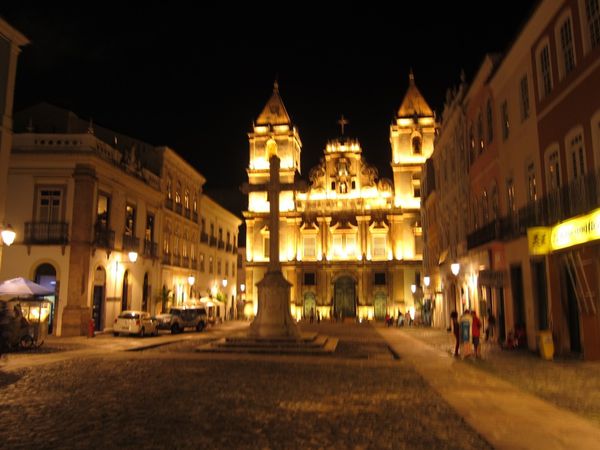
(135, 322)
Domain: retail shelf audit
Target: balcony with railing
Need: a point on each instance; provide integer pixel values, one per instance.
(185, 261)
(234, 250)
(104, 238)
(169, 203)
(228, 247)
(176, 260)
(131, 243)
(204, 238)
(194, 265)
(580, 196)
(187, 213)
(178, 208)
(221, 244)
(166, 259)
(213, 241)
(44, 233)
(195, 216)
(150, 249)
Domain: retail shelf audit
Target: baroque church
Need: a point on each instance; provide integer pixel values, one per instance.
(351, 244)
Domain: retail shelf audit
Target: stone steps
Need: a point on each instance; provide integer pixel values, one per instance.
(307, 344)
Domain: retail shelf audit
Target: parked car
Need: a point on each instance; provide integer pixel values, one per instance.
(177, 319)
(135, 322)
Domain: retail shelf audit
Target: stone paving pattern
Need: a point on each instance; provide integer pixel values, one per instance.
(171, 397)
(569, 383)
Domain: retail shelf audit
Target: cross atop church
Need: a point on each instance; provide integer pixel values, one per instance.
(342, 123)
(274, 188)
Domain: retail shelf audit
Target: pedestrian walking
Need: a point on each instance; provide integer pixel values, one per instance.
(475, 332)
(455, 330)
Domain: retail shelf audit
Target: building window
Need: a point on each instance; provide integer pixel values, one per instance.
(309, 245)
(103, 211)
(49, 205)
(505, 120)
(333, 185)
(169, 188)
(353, 184)
(212, 230)
(416, 145)
(553, 169)
(592, 13)
(309, 279)
(218, 267)
(531, 183)
(524, 98)
(149, 231)
(266, 247)
(130, 220)
(545, 74)
(178, 194)
(379, 244)
(195, 204)
(495, 205)
(228, 237)
(186, 200)
(210, 264)
(567, 50)
(576, 156)
(490, 121)
(416, 185)
(472, 152)
(201, 257)
(203, 225)
(510, 194)
(379, 278)
(485, 213)
(337, 245)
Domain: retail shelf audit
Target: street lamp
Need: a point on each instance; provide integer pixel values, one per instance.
(133, 256)
(427, 281)
(224, 282)
(455, 268)
(242, 287)
(8, 235)
(191, 281)
(413, 288)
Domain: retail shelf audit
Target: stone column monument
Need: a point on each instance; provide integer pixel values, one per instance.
(273, 319)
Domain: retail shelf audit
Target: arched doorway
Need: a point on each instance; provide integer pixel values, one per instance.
(344, 297)
(45, 275)
(145, 293)
(309, 304)
(98, 299)
(379, 305)
(125, 302)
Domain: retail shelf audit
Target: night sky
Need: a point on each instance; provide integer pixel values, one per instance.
(169, 75)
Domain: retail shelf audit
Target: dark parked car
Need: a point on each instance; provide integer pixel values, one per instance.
(180, 318)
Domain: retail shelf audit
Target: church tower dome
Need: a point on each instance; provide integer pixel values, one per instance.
(411, 137)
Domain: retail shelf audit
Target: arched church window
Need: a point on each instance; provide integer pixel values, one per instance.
(271, 148)
(416, 145)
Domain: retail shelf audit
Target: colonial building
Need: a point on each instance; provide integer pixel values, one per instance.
(10, 42)
(91, 207)
(532, 121)
(351, 244)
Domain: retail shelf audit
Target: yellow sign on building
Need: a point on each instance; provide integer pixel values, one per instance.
(576, 231)
(539, 240)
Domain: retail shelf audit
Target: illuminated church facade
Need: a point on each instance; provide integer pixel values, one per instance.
(351, 244)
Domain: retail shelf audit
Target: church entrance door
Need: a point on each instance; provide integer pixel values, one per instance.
(379, 306)
(309, 305)
(345, 297)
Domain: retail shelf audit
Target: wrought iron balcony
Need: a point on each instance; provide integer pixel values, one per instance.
(131, 243)
(194, 264)
(228, 247)
(178, 208)
(213, 241)
(195, 216)
(185, 261)
(204, 238)
(166, 259)
(44, 233)
(150, 249)
(169, 203)
(221, 244)
(488, 233)
(234, 250)
(104, 238)
(187, 213)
